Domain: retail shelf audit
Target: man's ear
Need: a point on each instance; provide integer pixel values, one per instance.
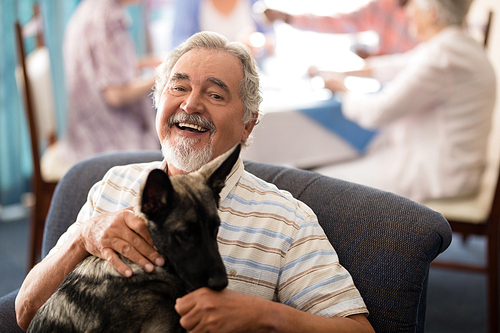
(249, 127)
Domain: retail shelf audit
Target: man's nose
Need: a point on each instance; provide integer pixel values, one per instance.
(193, 103)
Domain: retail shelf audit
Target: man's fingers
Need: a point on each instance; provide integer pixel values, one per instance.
(130, 250)
(140, 240)
(189, 319)
(137, 225)
(183, 305)
(111, 257)
(124, 233)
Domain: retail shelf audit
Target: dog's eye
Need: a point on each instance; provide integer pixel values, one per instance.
(215, 232)
(183, 236)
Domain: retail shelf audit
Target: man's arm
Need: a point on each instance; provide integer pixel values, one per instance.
(119, 96)
(204, 311)
(43, 280)
(103, 236)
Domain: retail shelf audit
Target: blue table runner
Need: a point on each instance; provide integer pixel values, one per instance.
(329, 114)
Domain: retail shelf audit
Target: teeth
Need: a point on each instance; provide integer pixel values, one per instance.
(193, 126)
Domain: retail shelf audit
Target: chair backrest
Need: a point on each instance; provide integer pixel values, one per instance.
(35, 85)
(487, 29)
(385, 241)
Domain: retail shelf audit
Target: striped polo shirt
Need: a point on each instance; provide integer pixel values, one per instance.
(272, 244)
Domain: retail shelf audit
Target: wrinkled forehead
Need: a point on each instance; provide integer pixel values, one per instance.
(200, 65)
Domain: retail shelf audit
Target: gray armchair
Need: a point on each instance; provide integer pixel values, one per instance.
(385, 241)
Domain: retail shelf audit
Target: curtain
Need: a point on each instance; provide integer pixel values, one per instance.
(15, 158)
(15, 155)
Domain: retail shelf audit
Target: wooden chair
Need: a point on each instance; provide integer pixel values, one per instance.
(34, 72)
(479, 215)
(487, 29)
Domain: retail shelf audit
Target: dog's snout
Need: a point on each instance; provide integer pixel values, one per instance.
(217, 282)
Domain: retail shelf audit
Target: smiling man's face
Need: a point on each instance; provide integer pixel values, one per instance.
(200, 111)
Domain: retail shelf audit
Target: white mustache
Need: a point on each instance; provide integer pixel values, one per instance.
(182, 117)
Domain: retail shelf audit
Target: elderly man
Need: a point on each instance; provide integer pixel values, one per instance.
(207, 96)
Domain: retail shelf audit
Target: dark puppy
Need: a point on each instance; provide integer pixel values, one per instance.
(182, 217)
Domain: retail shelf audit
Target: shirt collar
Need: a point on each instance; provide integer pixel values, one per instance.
(232, 179)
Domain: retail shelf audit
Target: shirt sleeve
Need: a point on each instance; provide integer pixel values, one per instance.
(313, 280)
(420, 85)
(85, 213)
(363, 19)
(386, 67)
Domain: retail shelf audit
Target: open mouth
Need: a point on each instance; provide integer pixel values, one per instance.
(191, 127)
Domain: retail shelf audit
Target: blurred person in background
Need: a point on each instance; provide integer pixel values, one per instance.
(108, 103)
(386, 17)
(433, 113)
(236, 20)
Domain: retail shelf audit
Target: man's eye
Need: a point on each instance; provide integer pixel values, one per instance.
(218, 97)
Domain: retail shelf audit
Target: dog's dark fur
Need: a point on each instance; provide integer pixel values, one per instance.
(181, 214)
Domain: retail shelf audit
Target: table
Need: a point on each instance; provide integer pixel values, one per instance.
(306, 135)
(303, 125)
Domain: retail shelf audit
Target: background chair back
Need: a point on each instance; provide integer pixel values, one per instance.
(34, 78)
(41, 98)
(487, 29)
(35, 85)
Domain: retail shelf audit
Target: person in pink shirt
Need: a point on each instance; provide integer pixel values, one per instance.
(108, 103)
(386, 17)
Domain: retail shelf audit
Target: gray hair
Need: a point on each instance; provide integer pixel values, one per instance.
(450, 12)
(249, 86)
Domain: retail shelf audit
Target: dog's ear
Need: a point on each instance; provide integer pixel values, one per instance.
(217, 180)
(156, 193)
(217, 170)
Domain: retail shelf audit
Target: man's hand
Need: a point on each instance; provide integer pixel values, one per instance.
(226, 311)
(205, 310)
(120, 232)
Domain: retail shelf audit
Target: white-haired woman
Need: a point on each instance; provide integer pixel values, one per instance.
(433, 112)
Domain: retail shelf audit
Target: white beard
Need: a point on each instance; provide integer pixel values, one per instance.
(182, 154)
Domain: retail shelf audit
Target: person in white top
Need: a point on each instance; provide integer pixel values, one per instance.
(237, 20)
(433, 113)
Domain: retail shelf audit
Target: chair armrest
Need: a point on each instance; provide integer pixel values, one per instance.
(8, 322)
